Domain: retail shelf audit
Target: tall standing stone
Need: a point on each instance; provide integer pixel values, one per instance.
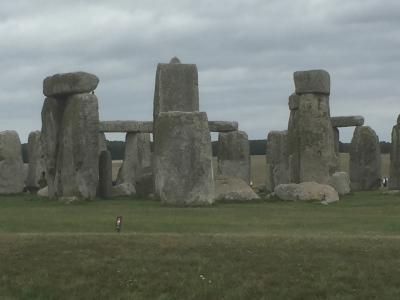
(70, 135)
(394, 173)
(176, 88)
(310, 137)
(105, 174)
(183, 159)
(277, 160)
(12, 174)
(77, 167)
(36, 178)
(234, 155)
(365, 159)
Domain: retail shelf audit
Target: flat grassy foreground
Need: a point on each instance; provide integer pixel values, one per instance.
(264, 250)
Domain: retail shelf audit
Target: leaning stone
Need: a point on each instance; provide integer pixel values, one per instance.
(313, 81)
(233, 189)
(306, 191)
(137, 157)
(183, 159)
(77, 167)
(234, 155)
(105, 174)
(176, 88)
(12, 175)
(348, 121)
(340, 181)
(277, 159)
(394, 171)
(123, 190)
(36, 178)
(365, 160)
(69, 83)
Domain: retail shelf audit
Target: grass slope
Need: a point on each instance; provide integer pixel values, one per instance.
(265, 250)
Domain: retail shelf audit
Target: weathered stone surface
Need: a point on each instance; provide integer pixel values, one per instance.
(277, 159)
(347, 121)
(36, 178)
(306, 191)
(310, 140)
(105, 174)
(234, 155)
(137, 158)
(222, 126)
(12, 175)
(125, 189)
(176, 88)
(126, 126)
(394, 173)
(294, 102)
(233, 189)
(365, 160)
(102, 142)
(183, 159)
(69, 83)
(340, 181)
(145, 183)
(313, 81)
(336, 140)
(77, 165)
(51, 122)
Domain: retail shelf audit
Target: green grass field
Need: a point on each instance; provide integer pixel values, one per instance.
(263, 250)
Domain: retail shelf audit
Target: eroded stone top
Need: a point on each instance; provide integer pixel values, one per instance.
(69, 83)
(312, 81)
(175, 60)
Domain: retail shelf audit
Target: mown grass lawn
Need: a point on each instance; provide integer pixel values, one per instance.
(264, 250)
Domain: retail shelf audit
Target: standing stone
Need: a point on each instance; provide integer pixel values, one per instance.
(12, 175)
(102, 142)
(105, 174)
(183, 159)
(277, 159)
(310, 137)
(77, 165)
(176, 88)
(336, 140)
(234, 155)
(394, 173)
(51, 121)
(36, 178)
(137, 157)
(365, 159)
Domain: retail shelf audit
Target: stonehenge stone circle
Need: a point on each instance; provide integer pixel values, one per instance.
(312, 82)
(365, 160)
(234, 155)
(176, 88)
(69, 83)
(105, 174)
(183, 159)
(12, 174)
(277, 160)
(310, 137)
(70, 136)
(394, 172)
(36, 178)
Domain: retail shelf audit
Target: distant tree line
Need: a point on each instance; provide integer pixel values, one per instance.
(257, 147)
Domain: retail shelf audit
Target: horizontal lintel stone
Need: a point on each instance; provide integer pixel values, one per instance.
(347, 121)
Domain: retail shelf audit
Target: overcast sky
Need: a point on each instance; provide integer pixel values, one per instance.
(246, 52)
